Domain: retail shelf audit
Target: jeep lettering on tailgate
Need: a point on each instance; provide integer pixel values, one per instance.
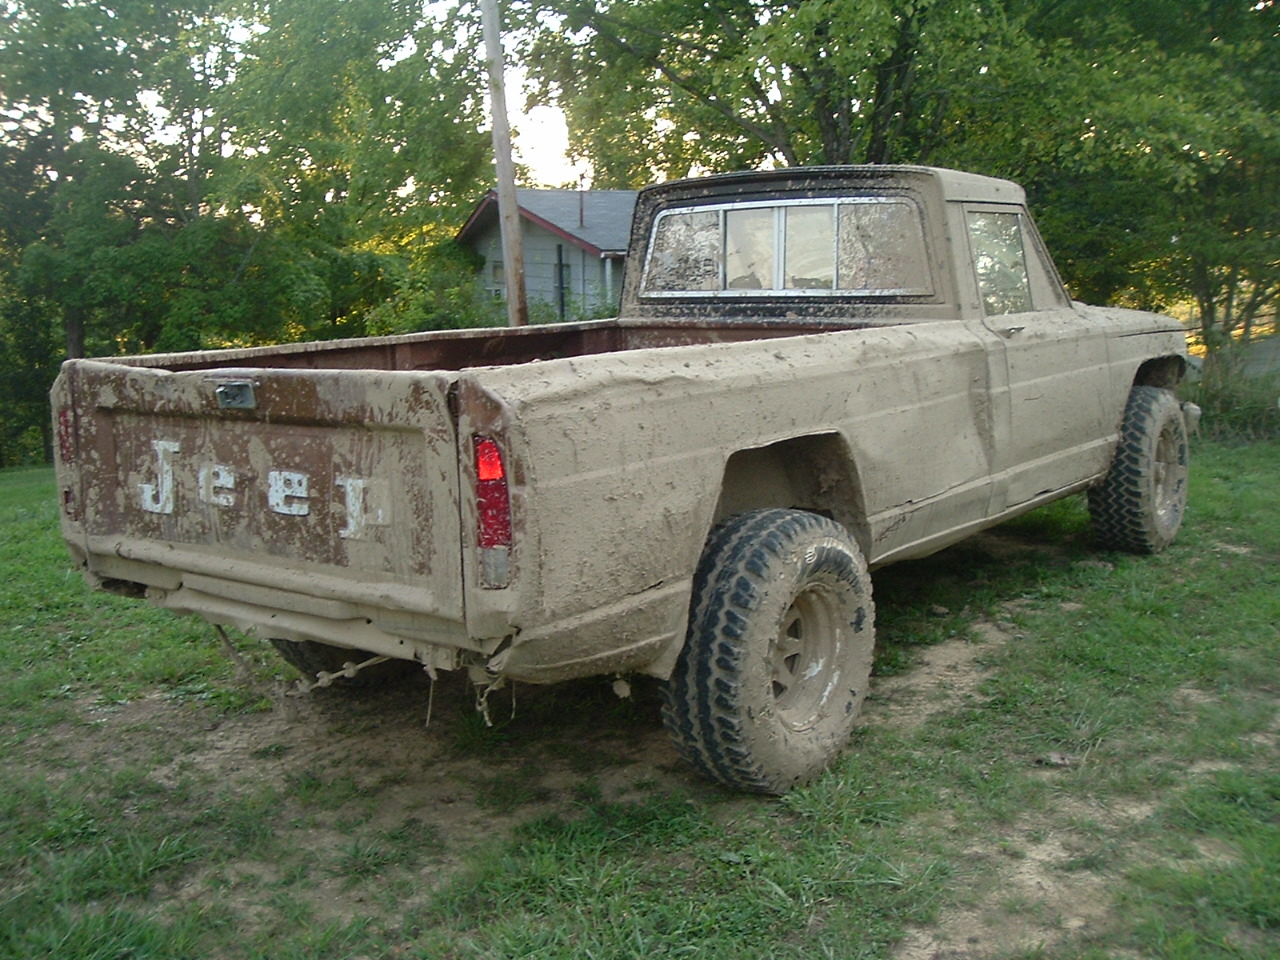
(815, 372)
(288, 492)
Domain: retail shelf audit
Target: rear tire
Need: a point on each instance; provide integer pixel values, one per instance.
(1139, 505)
(311, 658)
(778, 653)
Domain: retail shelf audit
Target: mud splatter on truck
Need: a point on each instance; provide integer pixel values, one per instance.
(814, 372)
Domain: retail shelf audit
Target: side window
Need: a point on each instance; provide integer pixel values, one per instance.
(1046, 287)
(999, 260)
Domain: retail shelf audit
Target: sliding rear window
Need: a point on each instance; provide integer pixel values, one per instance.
(813, 248)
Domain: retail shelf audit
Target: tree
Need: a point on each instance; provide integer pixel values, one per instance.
(1146, 133)
(1187, 131)
(67, 75)
(356, 128)
(29, 358)
(211, 172)
(667, 87)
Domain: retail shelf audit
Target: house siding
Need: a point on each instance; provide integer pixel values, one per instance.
(583, 233)
(593, 284)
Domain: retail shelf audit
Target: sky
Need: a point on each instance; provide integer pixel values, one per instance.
(541, 139)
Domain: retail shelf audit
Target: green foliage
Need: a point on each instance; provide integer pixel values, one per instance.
(437, 290)
(667, 87)
(1146, 133)
(212, 172)
(1126, 723)
(29, 358)
(1227, 908)
(1237, 407)
(1188, 137)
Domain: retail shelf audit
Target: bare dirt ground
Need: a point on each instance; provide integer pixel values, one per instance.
(1027, 900)
(339, 758)
(347, 763)
(337, 763)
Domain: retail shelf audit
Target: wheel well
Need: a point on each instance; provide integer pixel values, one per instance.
(1160, 372)
(815, 473)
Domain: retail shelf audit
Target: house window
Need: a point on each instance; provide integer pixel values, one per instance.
(497, 285)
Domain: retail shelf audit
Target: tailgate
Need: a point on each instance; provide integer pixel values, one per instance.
(338, 484)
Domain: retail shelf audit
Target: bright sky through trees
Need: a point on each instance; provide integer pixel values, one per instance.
(172, 179)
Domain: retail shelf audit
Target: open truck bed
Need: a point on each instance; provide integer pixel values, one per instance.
(816, 372)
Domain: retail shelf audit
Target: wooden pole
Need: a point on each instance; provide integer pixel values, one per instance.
(508, 209)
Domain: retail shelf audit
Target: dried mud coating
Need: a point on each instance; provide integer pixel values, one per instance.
(328, 493)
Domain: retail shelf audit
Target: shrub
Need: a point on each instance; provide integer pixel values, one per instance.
(1237, 407)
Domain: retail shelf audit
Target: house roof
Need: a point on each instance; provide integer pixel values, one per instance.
(598, 221)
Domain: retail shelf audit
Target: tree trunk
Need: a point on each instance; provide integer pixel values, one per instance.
(74, 319)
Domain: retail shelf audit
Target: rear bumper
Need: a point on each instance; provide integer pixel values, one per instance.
(275, 601)
(639, 633)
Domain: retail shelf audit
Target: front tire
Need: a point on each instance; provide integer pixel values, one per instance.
(1139, 505)
(777, 658)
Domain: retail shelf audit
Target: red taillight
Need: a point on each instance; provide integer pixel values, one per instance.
(66, 436)
(488, 461)
(493, 502)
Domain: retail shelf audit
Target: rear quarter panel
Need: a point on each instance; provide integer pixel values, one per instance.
(623, 458)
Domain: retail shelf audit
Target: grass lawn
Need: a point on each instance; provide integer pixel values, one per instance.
(1066, 754)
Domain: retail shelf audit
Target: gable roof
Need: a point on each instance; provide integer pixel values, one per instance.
(598, 221)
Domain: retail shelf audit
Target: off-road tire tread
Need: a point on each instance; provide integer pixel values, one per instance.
(702, 702)
(1121, 506)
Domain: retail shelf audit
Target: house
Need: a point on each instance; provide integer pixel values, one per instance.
(575, 243)
(1262, 357)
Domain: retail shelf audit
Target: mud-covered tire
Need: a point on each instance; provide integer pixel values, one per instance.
(1140, 503)
(778, 653)
(311, 658)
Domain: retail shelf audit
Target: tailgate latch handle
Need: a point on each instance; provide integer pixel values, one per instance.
(236, 395)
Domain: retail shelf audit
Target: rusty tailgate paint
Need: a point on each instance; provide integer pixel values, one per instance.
(334, 487)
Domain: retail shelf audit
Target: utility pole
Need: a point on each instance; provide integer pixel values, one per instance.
(508, 209)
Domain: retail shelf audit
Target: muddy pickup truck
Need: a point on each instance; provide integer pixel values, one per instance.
(814, 372)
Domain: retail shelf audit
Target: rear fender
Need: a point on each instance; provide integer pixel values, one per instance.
(815, 473)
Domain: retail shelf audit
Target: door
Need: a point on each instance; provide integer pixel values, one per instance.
(1056, 362)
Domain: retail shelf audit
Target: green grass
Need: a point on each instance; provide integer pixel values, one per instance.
(61, 642)
(1120, 749)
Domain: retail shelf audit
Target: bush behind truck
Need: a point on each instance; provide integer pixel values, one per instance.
(814, 372)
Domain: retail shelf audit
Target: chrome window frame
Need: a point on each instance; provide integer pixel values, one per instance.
(778, 292)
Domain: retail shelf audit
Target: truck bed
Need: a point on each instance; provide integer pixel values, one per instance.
(488, 346)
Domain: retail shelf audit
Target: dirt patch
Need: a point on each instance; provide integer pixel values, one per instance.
(1036, 889)
(1030, 895)
(337, 773)
(1037, 902)
(1048, 881)
(940, 678)
(339, 776)
(334, 771)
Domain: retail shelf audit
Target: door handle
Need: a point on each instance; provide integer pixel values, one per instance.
(1008, 332)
